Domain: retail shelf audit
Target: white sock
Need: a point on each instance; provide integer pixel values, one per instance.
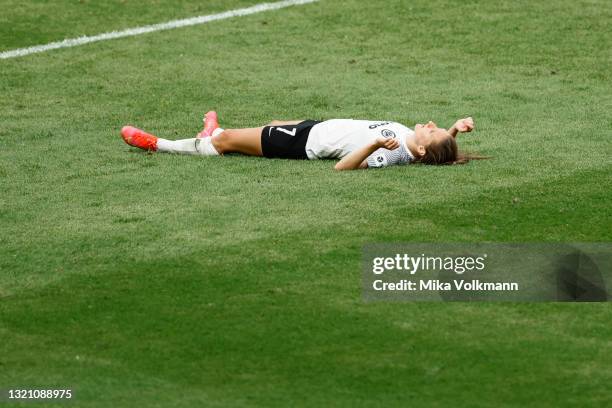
(204, 147)
(217, 131)
(183, 146)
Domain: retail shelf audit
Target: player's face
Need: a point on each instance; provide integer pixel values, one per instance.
(429, 133)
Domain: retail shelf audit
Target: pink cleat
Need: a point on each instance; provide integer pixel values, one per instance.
(210, 124)
(139, 138)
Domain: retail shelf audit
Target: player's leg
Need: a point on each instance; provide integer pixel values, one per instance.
(284, 122)
(146, 141)
(245, 141)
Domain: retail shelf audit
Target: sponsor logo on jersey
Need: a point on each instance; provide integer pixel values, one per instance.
(380, 160)
(375, 125)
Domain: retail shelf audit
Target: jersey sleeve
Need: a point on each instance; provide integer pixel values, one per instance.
(385, 157)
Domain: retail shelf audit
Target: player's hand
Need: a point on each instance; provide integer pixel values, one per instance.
(387, 143)
(464, 125)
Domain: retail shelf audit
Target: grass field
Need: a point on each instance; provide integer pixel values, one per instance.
(157, 280)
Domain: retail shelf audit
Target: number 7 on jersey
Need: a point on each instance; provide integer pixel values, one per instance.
(290, 133)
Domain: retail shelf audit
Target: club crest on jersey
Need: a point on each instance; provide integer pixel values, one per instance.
(389, 134)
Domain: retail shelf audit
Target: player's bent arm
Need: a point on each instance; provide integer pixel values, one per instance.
(461, 126)
(356, 159)
(453, 131)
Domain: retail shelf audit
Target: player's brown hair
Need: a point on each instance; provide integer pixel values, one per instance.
(446, 152)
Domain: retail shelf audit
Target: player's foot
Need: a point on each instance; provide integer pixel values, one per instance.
(210, 124)
(139, 138)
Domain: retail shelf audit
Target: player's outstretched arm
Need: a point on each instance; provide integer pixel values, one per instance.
(356, 159)
(462, 126)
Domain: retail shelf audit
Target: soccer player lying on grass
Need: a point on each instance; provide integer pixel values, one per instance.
(359, 144)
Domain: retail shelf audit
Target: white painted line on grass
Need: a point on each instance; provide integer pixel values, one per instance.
(73, 42)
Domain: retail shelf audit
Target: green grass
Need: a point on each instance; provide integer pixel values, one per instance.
(160, 280)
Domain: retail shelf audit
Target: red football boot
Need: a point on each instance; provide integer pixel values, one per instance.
(210, 124)
(139, 138)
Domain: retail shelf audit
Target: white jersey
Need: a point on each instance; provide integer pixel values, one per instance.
(334, 139)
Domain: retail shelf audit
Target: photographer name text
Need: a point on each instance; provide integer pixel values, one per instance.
(473, 285)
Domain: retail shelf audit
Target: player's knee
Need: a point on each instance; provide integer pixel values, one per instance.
(223, 141)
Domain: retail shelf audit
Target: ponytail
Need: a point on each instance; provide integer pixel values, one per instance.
(447, 153)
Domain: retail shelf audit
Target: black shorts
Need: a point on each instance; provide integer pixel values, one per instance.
(287, 141)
